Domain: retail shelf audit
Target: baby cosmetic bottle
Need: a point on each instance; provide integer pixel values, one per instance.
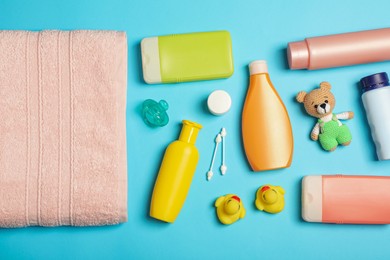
(266, 127)
(340, 50)
(376, 101)
(175, 175)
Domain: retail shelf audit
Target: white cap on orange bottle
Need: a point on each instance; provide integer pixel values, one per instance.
(257, 67)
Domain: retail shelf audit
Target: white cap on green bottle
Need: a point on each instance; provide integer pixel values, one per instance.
(151, 60)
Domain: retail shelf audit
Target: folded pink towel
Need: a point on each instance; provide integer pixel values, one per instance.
(62, 128)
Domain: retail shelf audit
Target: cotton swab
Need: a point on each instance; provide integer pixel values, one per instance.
(223, 167)
(210, 172)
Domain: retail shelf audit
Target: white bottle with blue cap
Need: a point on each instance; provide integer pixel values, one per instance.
(376, 101)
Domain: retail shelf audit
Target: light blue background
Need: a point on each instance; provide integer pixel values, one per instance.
(260, 29)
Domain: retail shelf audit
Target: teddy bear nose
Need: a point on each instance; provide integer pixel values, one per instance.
(323, 105)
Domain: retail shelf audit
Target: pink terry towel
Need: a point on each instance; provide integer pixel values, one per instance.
(62, 128)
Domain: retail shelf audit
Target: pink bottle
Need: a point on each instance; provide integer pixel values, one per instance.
(346, 199)
(340, 50)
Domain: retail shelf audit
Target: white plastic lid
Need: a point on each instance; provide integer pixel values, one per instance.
(257, 67)
(312, 198)
(219, 102)
(151, 60)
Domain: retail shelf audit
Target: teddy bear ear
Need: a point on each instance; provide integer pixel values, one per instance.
(301, 96)
(325, 85)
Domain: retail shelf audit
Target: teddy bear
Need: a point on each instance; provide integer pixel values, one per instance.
(319, 103)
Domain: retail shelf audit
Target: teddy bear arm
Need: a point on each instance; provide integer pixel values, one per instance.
(351, 115)
(315, 132)
(345, 115)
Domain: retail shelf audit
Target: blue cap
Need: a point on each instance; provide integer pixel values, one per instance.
(374, 81)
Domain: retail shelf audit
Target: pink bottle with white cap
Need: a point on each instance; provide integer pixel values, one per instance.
(340, 50)
(346, 199)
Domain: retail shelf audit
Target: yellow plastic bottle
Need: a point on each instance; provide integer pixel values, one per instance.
(175, 175)
(266, 127)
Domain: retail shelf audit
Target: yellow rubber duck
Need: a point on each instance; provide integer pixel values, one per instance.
(229, 209)
(270, 198)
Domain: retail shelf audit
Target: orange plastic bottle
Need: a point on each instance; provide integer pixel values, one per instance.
(266, 127)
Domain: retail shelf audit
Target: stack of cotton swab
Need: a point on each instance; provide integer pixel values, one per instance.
(220, 138)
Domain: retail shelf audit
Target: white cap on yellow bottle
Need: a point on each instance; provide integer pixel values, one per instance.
(258, 67)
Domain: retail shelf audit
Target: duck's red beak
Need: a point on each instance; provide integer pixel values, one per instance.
(236, 198)
(265, 188)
